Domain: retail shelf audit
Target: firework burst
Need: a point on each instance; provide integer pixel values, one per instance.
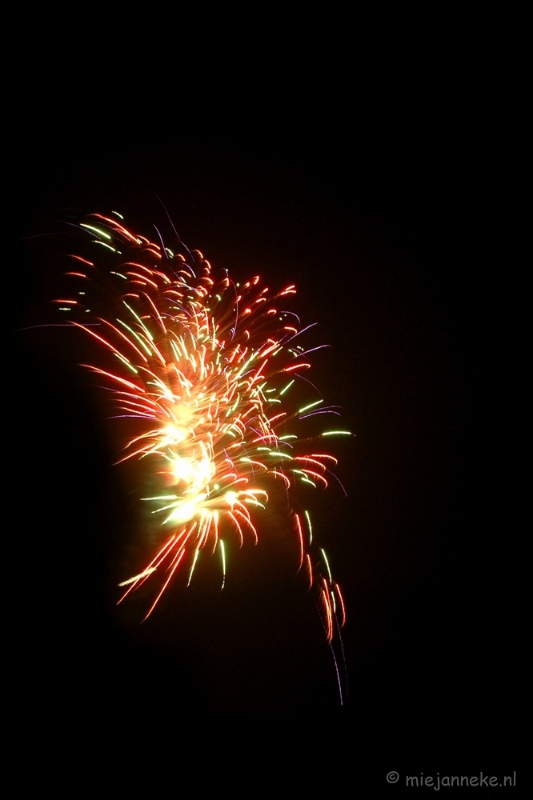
(204, 368)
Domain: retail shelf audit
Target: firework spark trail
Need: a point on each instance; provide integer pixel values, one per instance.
(204, 367)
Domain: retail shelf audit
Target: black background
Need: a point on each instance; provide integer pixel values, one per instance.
(374, 204)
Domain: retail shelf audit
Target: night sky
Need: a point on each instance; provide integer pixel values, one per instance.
(375, 215)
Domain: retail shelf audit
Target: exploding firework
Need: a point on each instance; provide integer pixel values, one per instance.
(204, 368)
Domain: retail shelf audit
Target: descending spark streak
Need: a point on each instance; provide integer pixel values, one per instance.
(204, 367)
